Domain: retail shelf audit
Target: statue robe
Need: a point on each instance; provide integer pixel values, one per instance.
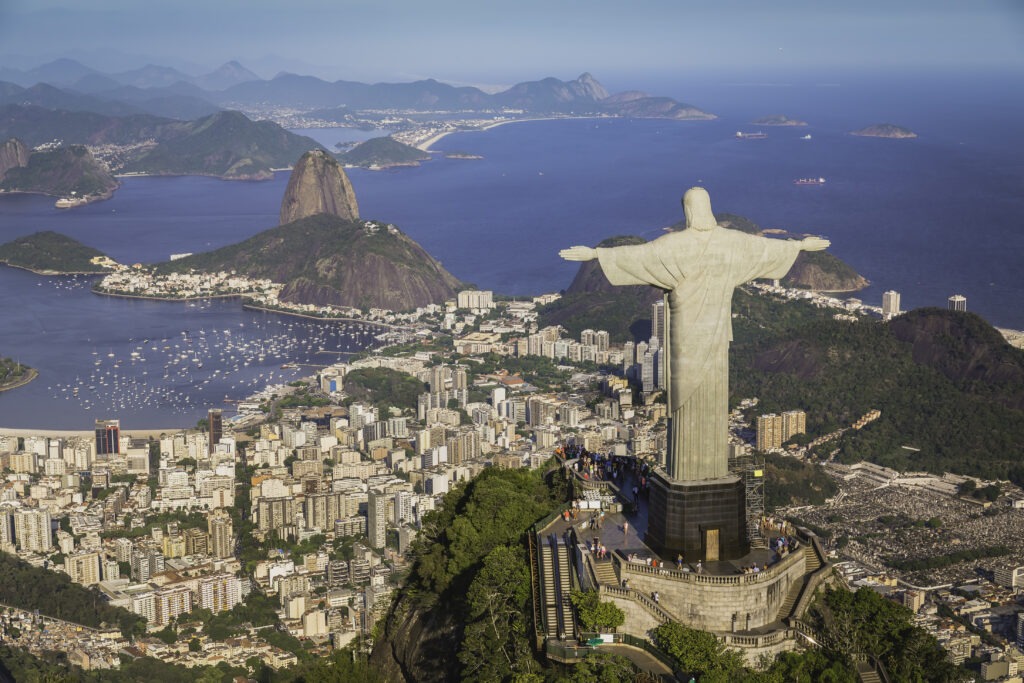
(699, 271)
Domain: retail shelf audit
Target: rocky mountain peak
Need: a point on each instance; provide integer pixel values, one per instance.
(318, 184)
(589, 87)
(13, 154)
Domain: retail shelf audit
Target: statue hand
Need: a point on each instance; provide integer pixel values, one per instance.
(814, 244)
(578, 254)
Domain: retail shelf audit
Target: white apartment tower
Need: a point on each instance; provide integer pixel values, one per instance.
(890, 304)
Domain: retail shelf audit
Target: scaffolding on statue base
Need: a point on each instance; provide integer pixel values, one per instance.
(750, 468)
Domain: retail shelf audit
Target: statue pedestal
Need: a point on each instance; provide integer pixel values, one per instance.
(704, 520)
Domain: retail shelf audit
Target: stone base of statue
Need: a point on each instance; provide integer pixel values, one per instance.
(703, 520)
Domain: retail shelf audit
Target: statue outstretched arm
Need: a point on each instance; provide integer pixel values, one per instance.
(578, 254)
(814, 244)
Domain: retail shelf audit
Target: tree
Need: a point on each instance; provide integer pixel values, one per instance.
(194, 645)
(494, 641)
(697, 652)
(594, 614)
(866, 622)
(604, 667)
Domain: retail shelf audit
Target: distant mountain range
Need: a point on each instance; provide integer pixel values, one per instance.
(164, 91)
(163, 121)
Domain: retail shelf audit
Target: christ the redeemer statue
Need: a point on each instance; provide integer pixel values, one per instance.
(698, 268)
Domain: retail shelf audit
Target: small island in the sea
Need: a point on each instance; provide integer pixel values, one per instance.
(51, 253)
(778, 120)
(383, 152)
(885, 130)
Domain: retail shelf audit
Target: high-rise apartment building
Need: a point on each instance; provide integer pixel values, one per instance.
(222, 535)
(658, 321)
(769, 431)
(376, 519)
(170, 602)
(215, 420)
(108, 437)
(793, 422)
(220, 592)
(83, 568)
(774, 430)
(32, 529)
(890, 304)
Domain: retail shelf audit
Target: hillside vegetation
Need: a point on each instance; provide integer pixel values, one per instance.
(324, 259)
(59, 172)
(945, 382)
(50, 252)
(384, 151)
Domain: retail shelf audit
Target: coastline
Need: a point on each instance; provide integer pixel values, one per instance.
(55, 273)
(429, 142)
(30, 375)
(254, 307)
(68, 433)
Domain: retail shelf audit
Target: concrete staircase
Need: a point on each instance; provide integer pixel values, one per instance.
(604, 572)
(867, 674)
(811, 564)
(555, 572)
(548, 610)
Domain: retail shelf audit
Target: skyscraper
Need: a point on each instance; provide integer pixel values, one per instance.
(216, 423)
(108, 437)
(793, 422)
(769, 431)
(957, 302)
(658, 321)
(32, 529)
(890, 304)
(376, 519)
(222, 538)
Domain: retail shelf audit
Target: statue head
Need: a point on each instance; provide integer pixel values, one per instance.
(697, 207)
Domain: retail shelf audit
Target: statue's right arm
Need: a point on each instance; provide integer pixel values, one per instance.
(578, 253)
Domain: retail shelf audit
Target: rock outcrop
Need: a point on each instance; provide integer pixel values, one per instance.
(13, 154)
(318, 184)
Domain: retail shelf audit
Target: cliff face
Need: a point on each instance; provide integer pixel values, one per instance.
(13, 154)
(318, 184)
(417, 645)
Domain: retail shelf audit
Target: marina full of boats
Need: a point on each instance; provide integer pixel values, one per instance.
(196, 369)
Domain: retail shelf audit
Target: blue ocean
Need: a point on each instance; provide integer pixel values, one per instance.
(932, 216)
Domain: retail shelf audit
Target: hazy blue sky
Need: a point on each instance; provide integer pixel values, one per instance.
(483, 41)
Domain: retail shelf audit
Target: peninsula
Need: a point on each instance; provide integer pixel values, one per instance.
(13, 374)
(51, 253)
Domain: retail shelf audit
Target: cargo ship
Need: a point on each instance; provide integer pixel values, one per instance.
(809, 181)
(740, 135)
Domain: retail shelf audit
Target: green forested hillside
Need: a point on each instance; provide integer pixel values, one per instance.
(929, 395)
(385, 151)
(50, 252)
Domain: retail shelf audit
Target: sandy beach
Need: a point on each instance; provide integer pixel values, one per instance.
(69, 433)
(426, 144)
